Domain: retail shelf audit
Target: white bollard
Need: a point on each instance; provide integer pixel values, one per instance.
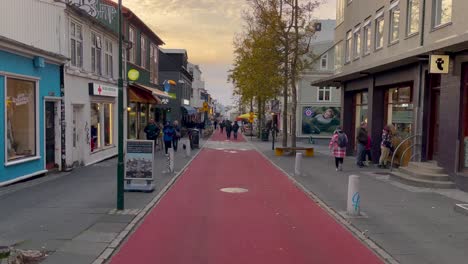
(188, 150)
(298, 165)
(171, 159)
(354, 198)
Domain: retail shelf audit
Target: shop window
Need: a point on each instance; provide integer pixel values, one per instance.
(21, 127)
(357, 42)
(101, 125)
(96, 54)
(361, 101)
(76, 44)
(324, 94)
(132, 39)
(399, 111)
(442, 13)
(132, 120)
(394, 21)
(379, 30)
(412, 22)
(144, 52)
(109, 59)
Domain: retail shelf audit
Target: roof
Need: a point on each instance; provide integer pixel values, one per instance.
(14, 45)
(174, 51)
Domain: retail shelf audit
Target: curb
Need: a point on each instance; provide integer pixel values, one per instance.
(117, 242)
(378, 250)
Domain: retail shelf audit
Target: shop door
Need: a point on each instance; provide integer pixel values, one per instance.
(50, 134)
(434, 125)
(77, 136)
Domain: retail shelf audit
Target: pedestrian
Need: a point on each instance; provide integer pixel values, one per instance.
(362, 142)
(367, 154)
(221, 126)
(169, 133)
(215, 124)
(235, 129)
(386, 146)
(152, 131)
(177, 135)
(228, 129)
(337, 146)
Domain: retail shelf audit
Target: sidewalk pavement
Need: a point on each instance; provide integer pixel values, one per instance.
(415, 225)
(72, 215)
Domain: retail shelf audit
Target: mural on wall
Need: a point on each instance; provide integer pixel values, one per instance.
(318, 120)
(97, 9)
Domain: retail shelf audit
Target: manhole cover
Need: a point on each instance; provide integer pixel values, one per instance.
(234, 190)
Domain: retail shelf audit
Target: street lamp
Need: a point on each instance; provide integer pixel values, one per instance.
(120, 165)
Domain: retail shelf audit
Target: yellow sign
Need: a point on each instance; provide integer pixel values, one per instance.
(205, 107)
(252, 114)
(251, 119)
(133, 75)
(440, 64)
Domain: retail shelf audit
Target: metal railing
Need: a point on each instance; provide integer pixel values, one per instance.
(417, 143)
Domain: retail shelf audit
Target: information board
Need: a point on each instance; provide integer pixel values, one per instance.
(139, 160)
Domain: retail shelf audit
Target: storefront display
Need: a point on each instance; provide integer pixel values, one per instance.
(101, 125)
(399, 111)
(21, 119)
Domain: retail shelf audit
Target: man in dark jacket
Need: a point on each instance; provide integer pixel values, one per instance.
(362, 136)
(235, 128)
(152, 131)
(228, 129)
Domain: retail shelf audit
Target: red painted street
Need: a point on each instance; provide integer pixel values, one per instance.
(273, 222)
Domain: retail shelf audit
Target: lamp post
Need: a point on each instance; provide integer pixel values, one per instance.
(120, 166)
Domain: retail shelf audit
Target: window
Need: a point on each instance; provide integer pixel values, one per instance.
(367, 35)
(348, 46)
(357, 42)
(442, 12)
(340, 5)
(21, 130)
(154, 64)
(338, 55)
(412, 23)
(394, 22)
(76, 44)
(109, 59)
(379, 29)
(324, 62)
(96, 54)
(101, 125)
(132, 38)
(144, 52)
(324, 94)
(398, 110)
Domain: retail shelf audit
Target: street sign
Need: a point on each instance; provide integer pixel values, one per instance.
(139, 165)
(439, 64)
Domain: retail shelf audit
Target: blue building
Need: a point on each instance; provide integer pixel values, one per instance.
(30, 101)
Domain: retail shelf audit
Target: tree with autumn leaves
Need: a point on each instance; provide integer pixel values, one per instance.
(271, 54)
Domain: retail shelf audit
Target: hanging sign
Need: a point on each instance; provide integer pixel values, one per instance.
(439, 64)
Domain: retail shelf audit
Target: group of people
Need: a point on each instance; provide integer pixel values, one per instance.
(170, 134)
(339, 142)
(231, 128)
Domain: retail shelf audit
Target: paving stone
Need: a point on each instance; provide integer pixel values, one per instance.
(83, 248)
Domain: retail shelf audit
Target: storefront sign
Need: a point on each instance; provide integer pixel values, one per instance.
(139, 160)
(440, 64)
(102, 90)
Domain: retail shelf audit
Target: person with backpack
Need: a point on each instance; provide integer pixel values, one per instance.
(228, 129)
(386, 146)
(152, 131)
(177, 135)
(235, 129)
(337, 146)
(169, 133)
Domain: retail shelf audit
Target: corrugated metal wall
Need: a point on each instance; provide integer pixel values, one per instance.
(34, 22)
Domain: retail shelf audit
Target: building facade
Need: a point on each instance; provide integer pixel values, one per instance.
(31, 58)
(319, 108)
(383, 64)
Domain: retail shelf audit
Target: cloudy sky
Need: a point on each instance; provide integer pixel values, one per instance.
(205, 28)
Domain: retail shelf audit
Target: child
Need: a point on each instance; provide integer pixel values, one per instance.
(337, 146)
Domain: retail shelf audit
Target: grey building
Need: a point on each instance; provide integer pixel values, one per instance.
(383, 65)
(173, 65)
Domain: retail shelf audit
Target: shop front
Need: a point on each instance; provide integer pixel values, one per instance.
(30, 102)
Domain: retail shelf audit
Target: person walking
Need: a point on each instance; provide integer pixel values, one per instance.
(362, 142)
(386, 146)
(337, 146)
(177, 135)
(215, 124)
(221, 126)
(152, 131)
(169, 133)
(228, 129)
(235, 129)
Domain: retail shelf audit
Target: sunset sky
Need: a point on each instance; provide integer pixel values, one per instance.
(205, 28)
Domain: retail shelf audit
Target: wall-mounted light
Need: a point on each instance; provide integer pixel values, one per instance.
(129, 109)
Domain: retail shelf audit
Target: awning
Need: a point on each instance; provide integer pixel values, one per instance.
(154, 91)
(139, 95)
(190, 110)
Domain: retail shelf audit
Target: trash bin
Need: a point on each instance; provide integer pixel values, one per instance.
(265, 134)
(195, 138)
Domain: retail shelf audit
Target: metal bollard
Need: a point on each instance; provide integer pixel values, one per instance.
(171, 159)
(188, 149)
(298, 165)
(354, 198)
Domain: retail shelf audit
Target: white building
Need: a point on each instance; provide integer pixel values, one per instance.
(198, 85)
(90, 89)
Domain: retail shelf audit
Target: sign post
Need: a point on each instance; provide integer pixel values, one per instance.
(139, 165)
